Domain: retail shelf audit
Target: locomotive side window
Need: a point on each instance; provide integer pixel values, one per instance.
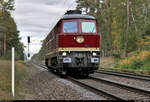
(88, 27)
(70, 27)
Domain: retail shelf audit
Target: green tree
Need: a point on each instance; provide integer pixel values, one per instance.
(121, 22)
(8, 31)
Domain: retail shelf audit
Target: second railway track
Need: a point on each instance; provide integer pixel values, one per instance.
(127, 75)
(112, 89)
(141, 82)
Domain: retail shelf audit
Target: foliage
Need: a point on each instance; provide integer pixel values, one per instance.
(139, 61)
(112, 22)
(9, 27)
(144, 43)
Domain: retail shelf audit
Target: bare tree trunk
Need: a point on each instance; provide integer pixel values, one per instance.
(133, 19)
(109, 28)
(5, 43)
(145, 13)
(1, 45)
(127, 30)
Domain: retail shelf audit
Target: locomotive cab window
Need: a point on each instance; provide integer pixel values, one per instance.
(88, 27)
(70, 27)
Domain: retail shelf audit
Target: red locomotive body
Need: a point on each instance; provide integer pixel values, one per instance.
(73, 46)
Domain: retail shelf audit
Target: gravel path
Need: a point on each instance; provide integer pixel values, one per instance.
(46, 86)
(130, 81)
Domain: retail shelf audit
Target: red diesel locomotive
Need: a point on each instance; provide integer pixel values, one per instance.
(73, 46)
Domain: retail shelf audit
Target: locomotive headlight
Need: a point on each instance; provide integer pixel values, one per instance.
(80, 39)
(94, 54)
(64, 54)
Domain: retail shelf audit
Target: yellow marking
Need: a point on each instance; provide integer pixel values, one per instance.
(78, 49)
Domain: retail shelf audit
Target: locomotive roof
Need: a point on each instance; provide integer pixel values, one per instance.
(70, 16)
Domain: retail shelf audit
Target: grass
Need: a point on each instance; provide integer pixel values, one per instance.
(5, 79)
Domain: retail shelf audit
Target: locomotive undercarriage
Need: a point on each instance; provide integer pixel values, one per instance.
(74, 62)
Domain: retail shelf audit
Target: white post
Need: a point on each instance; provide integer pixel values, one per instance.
(13, 72)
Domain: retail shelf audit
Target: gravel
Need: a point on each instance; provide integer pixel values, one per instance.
(130, 81)
(47, 86)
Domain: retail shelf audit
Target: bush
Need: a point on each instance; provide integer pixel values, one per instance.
(136, 64)
(8, 56)
(147, 64)
(147, 60)
(133, 64)
(125, 65)
(139, 61)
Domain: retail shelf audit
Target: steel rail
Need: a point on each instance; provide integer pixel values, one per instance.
(145, 91)
(128, 73)
(139, 77)
(43, 66)
(98, 91)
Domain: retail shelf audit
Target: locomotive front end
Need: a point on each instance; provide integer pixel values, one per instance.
(79, 45)
(73, 45)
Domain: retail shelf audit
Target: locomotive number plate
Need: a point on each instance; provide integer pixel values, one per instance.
(67, 60)
(94, 60)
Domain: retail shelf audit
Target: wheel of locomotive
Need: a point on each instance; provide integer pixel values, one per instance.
(86, 74)
(46, 62)
(62, 73)
(49, 68)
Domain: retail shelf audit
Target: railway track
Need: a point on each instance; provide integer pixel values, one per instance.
(133, 76)
(107, 95)
(112, 90)
(121, 74)
(40, 65)
(141, 91)
(127, 73)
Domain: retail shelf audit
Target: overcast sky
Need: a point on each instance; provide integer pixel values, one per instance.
(35, 18)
